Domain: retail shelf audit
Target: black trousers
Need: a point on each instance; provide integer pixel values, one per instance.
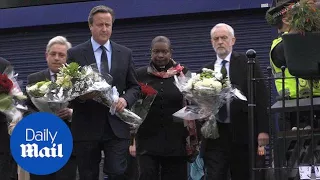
(68, 172)
(132, 172)
(8, 170)
(115, 161)
(162, 168)
(222, 155)
(218, 162)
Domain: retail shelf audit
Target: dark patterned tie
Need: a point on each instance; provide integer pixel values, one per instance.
(223, 114)
(224, 69)
(104, 67)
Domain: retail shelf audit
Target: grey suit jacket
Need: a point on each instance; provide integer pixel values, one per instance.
(90, 118)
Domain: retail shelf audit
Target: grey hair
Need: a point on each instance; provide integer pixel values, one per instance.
(100, 9)
(230, 29)
(58, 40)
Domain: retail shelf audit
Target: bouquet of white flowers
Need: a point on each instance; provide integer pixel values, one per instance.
(74, 81)
(39, 95)
(209, 91)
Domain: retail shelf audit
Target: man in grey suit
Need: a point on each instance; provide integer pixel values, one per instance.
(93, 127)
(5, 155)
(56, 56)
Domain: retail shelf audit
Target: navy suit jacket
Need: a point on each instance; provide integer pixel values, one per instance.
(90, 117)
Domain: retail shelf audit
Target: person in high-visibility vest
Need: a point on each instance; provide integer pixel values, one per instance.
(276, 16)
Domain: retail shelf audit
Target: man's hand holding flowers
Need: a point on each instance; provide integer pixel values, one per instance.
(121, 104)
(65, 113)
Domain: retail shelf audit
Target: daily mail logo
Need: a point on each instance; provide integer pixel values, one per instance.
(41, 143)
(32, 150)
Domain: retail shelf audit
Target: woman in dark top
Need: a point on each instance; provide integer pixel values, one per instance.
(161, 142)
(6, 163)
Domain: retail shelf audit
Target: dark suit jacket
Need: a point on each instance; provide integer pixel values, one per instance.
(39, 76)
(32, 79)
(239, 109)
(4, 136)
(90, 118)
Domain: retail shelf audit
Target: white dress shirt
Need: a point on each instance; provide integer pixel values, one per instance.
(217, 68)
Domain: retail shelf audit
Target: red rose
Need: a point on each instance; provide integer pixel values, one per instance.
(179, 68)
(5, 84)
(147, 90)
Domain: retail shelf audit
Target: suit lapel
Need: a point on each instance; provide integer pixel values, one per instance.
(233, 68)
(115, 58)
(89, 54)
(46, 75)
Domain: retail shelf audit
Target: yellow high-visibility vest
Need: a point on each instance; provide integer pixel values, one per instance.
(289, 81)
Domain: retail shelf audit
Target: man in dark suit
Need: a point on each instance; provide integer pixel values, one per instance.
(230, 150)
(5, 155)
(93, 127)
(56, 56)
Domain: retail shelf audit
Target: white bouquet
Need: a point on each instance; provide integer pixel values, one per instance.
(209, 91)
(74, 81)
(39, 95)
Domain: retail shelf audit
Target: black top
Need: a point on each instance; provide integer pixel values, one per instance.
(4, 136)
(277, 55)
(159, 134)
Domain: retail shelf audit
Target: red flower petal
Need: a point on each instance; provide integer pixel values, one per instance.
(5, 84)
(147, 90)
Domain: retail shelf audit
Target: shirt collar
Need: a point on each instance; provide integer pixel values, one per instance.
(96, 45)
(51, 73)
(219, 60)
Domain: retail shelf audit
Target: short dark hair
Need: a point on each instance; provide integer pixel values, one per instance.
(161, 39)
(100, 9)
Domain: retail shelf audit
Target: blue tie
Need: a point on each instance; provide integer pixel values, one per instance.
(223, 114)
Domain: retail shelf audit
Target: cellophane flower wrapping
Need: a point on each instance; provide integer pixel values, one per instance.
(142, 106)
(74, 81)
(11, 98)
(208, 91)
(39, 94)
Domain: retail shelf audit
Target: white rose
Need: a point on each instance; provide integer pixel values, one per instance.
(45, 87)
(59, 80)
(207, 70)
(217, 85)
(33, 88)
(67, 78)
(209, 83)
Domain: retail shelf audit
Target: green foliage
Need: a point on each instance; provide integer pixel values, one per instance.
(304, 17)
(71, 69)
(206, 75)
